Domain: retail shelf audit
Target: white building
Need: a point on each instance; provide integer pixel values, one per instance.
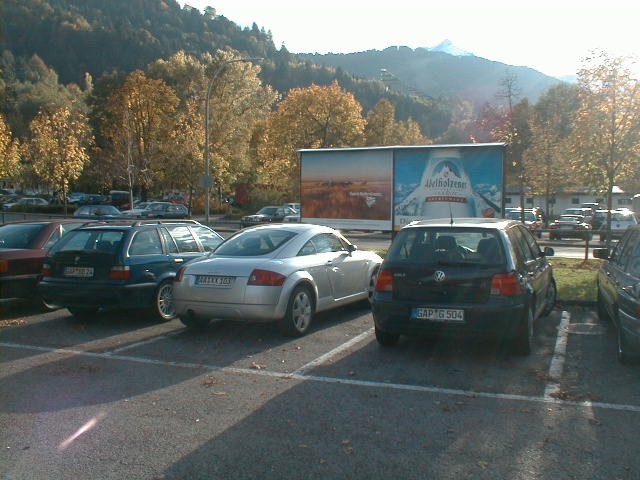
(566, 199)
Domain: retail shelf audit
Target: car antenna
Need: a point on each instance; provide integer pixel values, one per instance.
(450, 215)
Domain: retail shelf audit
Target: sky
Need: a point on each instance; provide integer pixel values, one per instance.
(552, 36)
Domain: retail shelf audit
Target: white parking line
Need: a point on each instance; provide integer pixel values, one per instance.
(335, 380)
(323, 358)
(559, 354)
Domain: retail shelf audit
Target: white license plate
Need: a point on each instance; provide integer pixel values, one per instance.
(446, 315)
(214, 280)
(78, 272)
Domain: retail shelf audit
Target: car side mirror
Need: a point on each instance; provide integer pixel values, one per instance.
(351, 248)
(548, 252)
(602, 253)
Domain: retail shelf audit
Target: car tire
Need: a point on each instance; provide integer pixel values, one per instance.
(83, 314)
(625, 356)
(603, 316)
(163, 308)
(523, 342)
(552, 295)
(299, 313)
(195, 323)
(386, 339)
(372, 286)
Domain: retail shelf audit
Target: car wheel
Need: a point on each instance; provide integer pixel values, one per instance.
(83, 313)
(163, 308)
(386, 339)
(195, 323)
(372, 286)
(299, 314)
(625, 356)
(602, 311)
(552, 294)
(523, 342)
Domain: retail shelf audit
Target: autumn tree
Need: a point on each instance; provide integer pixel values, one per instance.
(606, 137)
(312, 117)
(9, 152)
(551, 124)
(58, 147)
(142, 115)
(382, 128)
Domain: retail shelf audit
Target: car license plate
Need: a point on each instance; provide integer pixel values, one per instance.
(78, 272)
(446, 315)
(214, 280)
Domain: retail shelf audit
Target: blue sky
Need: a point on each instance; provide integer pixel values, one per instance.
(550, 36)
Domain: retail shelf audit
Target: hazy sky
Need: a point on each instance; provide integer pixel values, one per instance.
(552, 36)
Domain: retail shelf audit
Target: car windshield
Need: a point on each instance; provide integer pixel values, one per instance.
(516, 215)
(257, 242)
(437, 246)
(19, 235)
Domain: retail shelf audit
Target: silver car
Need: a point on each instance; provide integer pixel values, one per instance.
(283, 272)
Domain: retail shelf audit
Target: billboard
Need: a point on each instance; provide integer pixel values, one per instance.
(347, 188)
(448, 181)
(385, 188)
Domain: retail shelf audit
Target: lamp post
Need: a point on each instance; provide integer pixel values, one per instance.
(208, 180)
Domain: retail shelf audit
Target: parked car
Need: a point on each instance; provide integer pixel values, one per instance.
(98, 212)
(484, 277)
(267, 214)
(23, 246)
(621, 220)
(532, 221)
(165, 210)
(570, 226)
(137, 210)
(293, 205)
(285, 273)
(618, 292)
(122, 265)
(33, 201)
(586, 212)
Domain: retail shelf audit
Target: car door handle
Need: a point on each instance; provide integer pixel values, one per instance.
(178, 260)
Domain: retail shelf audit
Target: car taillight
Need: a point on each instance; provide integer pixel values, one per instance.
(46, 270)
(506, 284)
(120, 272)
(179, 274)
(4, 266)
(266, 278)
(384, 283)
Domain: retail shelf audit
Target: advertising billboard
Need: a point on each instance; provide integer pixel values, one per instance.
(347, 188)
(448, 181)
(385, 188)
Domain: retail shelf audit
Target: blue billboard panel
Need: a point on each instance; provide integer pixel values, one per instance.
(448, 181)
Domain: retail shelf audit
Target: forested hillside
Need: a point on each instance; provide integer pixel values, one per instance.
(75, 37)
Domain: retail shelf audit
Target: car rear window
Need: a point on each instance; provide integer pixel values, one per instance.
(19, 235)
(432, 245)
(258, 242)
(105, 241)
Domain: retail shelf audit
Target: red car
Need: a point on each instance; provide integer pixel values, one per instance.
(23, 246)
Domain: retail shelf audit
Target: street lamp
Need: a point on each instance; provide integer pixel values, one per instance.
(208, 179)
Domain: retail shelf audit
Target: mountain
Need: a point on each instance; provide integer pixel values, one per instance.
(447, 46)
(436, 74)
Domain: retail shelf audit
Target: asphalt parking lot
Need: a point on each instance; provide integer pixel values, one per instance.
(124, 397)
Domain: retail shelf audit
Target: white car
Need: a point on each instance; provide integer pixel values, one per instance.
(620, 221)
(27, 201)
(283, 272)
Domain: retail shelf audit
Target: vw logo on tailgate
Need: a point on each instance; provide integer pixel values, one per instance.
(439, 276)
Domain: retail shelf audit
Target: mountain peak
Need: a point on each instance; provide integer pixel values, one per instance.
(447, 46)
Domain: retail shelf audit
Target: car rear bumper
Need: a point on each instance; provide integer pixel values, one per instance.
(103, 295)
(503, 320)
(18, 286)
(228, 311)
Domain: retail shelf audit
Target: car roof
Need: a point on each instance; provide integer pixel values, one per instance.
(489, 223)
(129, 224)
